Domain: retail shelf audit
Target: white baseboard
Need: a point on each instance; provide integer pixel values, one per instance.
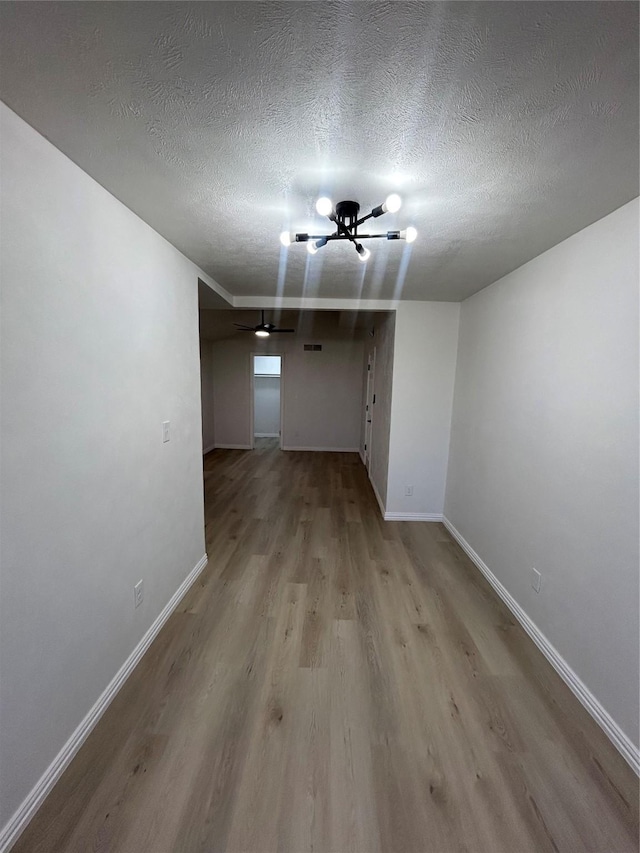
(266, 435)
(362, 459)
(206, 450)
(378, 498)
(401, 516)
(234, 446)
(413, 516)
(11, 832)
(606, 722)
(326, 449)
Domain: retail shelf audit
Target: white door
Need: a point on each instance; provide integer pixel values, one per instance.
(368, 409)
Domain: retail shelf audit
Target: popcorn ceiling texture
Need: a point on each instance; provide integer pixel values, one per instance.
(505, 126)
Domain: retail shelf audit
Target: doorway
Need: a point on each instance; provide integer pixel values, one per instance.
(267, 397)
(368, 408)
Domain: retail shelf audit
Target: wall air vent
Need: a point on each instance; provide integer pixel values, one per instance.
(313, 347)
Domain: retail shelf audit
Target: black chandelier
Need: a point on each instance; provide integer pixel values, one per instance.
(345, 217)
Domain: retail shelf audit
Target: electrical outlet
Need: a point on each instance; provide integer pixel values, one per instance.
(408, 490)
(165, 431)
(138, 593)
(536, 579)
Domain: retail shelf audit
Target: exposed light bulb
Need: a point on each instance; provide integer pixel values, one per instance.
(285, 238)
(324, 206)
(363, 254)
(261, 333)
(409, 234)
(392, 204)
(312, 247)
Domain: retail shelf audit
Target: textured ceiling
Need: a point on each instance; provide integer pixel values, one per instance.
(506, 127)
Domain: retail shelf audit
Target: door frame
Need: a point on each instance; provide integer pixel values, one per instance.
(370, 396)
(252, 393)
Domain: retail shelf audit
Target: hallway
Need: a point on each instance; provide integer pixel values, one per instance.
(334, 682)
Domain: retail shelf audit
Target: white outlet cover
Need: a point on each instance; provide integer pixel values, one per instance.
(138, 593)
(165, 431)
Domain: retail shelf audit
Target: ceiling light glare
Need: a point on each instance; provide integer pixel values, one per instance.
(261, 333)
(398, 178)
(285, 238)
(392, 204)
(312, 247)
(363, 254)
(409, 234)
(324, 206)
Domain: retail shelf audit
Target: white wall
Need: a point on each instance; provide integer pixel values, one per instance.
(206, 393)
(266, 408)
(231, 367)
(99, 347)
(424, 360)
(323, 396)
(544, 454)
(321, 391)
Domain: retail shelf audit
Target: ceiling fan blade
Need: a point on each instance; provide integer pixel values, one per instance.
(244, 328)
(283, 330)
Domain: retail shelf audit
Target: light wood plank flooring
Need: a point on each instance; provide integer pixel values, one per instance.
(333, 682)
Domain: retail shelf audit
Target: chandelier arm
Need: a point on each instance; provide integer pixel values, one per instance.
(346, 237)
(364, 218)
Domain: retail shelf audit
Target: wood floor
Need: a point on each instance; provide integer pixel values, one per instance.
(334, 682)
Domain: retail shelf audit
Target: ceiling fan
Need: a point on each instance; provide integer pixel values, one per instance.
(262, 330)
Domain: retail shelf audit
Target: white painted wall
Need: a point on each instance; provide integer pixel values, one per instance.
(99, 347)
(231, 367)
(544, 453)
(424, 360)
(322, 396)
(266, 407)
(206, 392)
(321, 391)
